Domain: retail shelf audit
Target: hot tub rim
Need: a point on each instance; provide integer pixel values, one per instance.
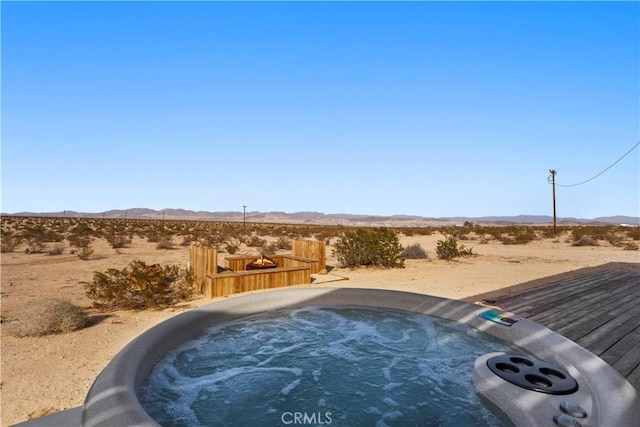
(117, 385)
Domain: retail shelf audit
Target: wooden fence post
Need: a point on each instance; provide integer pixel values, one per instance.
(203, 261)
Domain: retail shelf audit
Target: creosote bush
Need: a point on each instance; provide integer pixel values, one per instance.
(268, 248)
(633, 232)
(57, 249)
(232, 247)
(414, 251)
(118, 241)
(9, 242)
(369, 247)
(47, 316)
(34, 246)
(448, 249)
(140, 286)
(255, 242)
(586, 241)
(165, 243)
(79, 241)
(85, 252)
(283, 243)
(523, 236)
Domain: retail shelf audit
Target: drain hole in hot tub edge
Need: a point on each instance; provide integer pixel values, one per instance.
(521, 361)
(552, 373)
(538, 381)
(508, 368)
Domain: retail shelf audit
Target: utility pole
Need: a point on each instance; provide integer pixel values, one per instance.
(244, 216)
(553, 185)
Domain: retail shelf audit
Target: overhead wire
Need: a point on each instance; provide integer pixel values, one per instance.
(610, 166)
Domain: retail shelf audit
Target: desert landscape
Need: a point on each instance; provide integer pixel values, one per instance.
(42, 259)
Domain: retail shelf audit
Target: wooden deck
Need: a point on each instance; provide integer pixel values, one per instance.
(598, 308)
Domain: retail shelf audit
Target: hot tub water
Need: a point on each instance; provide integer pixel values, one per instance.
(330, 365)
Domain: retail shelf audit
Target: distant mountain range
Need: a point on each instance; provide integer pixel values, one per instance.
(331, 219)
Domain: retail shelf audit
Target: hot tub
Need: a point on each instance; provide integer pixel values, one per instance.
(536, 377)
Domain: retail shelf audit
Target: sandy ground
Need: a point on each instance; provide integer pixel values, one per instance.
(48, 374)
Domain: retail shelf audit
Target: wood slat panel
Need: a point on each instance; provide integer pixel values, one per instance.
(584, 303)
(530, 300)
(203, 260)
(313, 250)
(624, 356)
(601, 290)
(232, 282)
(609, 333)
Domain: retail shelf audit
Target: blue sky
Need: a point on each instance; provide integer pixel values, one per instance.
(432, 109)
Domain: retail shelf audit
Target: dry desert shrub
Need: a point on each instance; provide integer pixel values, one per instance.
(425, 231)
(255, 242)
(84, 253)
(283, 243)
(118, 240)
(57, 249)
(47, 316)
(414, 251)
(232, 247)
(549, 233)
(449, 249)
(633, 233)
(165, 243)
(268, 248)
(586, 241)
(369, 247)
(139, 286)
(596, 232)
(153, 236)
(187, 239)
(9, 242)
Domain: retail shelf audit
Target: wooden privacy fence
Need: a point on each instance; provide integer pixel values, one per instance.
(203, 260)
(313, 250)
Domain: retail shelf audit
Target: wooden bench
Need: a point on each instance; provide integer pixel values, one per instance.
(233, 282)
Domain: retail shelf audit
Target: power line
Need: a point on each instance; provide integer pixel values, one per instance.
(594, 177)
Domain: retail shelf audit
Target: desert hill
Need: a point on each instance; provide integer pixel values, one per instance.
(331, 219)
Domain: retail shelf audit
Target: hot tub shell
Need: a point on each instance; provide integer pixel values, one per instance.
(606, 397)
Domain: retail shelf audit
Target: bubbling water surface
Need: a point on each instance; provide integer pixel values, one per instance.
(338, 366)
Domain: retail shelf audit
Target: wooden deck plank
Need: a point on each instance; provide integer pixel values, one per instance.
(584, 307)
(533, 303)
(634, 377)
(586, 290)
(530, 298)
(613, 354)
(629, 359)
(600, 310)
(591, 318)
(578, 304)
(611, 332)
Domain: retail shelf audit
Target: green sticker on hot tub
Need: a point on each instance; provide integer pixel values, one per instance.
(503, 318)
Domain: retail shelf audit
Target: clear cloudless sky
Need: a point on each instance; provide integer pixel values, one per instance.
(416, 108)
